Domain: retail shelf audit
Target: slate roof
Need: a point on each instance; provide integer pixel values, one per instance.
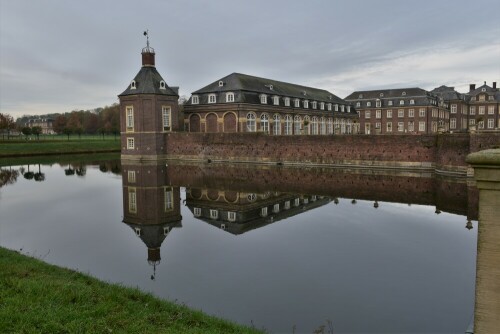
(245, 84)
(448, 93)
(388, 93)
(487, 89)
(148, 82)
(153, 235)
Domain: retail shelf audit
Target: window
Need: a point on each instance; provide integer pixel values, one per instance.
(378, 103)
(314, 125)
(166, 113)
(329, 107)
(132, 200)
(368, 104)
(490, 97)
(263, 99)
(480, 124)
(472, 110)
(287, 101)
(482, 97)
(169, 199)
(130, 118)
(276, 208)
(214, 214)
(491, 123)
(162, 84)
(330, 126)
(401, 113)
(231, 216)
(358, 104)
(306, 104)
(197, 212)
(360, 96)
(404, 93)
(263, 212)
(251, 197)
(322, 105)
(277, 124)
(401, 102)
(412, 101)
(322, 126)
(411, 127)
(314, 104)
(389, 127)
(296, 202)
(472, 121)
(389, 113)
(389, 103)
(131, 176)
(421, 112)
(276, 100)
(481, 110)
(453, 108)
(491, 110)
(411, 113)
(264, 123)
(342, 108)
(377, 125)
(287, 205)
(229, 97)
(133, 85)
(221, 83)
(421, 126)
(336, 107)
(250, 122)
(130, 143)
(453, 123)
(195, 99)
(378, 114)
(434, 112)
(297, 103)
(297, 124)
(288, 125)
(211, 98)
(367, 114)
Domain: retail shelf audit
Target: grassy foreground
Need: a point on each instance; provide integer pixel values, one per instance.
(47, 147)
(36, 297)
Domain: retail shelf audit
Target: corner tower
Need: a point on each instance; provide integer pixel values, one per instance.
(148, 111)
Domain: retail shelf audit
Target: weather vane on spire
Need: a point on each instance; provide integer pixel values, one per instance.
(147, 48)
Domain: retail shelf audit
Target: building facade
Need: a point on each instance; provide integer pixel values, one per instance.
(484, 105)
(399, 111)
(458, 104)
(244, 103)
(45, 123)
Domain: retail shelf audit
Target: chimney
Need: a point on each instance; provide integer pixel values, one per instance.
(472, 87)
(494, 85)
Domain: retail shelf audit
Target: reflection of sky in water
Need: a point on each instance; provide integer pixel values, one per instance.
(397, 268)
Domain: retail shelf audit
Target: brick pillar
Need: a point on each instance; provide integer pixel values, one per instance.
(487, 307)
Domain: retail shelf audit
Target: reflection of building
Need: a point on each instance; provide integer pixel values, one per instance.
(150, 206)
(240, 212)
(244, 103)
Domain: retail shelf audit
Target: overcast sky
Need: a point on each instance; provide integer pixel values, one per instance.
(57, 56)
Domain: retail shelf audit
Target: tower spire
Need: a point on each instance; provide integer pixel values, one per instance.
(148, 53)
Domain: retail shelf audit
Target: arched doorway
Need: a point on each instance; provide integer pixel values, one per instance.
(211, 123)
(194, 123)
(229, 122)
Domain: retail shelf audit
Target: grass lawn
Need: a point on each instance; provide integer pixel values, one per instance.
(58, 145)
(36, 297)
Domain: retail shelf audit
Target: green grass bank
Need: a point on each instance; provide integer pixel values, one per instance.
(58, 145)
(36, 297)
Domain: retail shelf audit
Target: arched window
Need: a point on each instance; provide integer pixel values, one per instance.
(264, 123)
(342, 126)
(277, 124)
(162, 84)
(349, 126)
(314, 124)
(288, 125)
(322, 126)
(250, 122)
(306, 125)
(297, 121)
(330, 126)
(133, 85)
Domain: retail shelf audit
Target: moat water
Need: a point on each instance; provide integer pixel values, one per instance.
(359, 251)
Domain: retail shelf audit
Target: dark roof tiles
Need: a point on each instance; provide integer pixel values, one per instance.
(148, 82)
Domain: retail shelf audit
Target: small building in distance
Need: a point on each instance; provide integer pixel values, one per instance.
(244, 103)
(484, 106)
(399, 111)
(45, 123)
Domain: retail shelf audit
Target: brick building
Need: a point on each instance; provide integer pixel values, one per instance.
(45, 123)
(244, 103)
(484, 106)
(458, 103)
(398, 111)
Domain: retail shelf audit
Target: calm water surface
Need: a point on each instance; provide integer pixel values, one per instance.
(198, 235)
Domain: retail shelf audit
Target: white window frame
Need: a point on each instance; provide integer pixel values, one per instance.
(132, 200)
(491, 123)
(401, 113)
(195, 99)
(287, 101)
(263, 211)
(412, 101)
(197, 212)
(214, 214)
(276, 100)
(401, 102)
(264, 123)
(314, 104)
(212, 98)
(329, 107)
(306, 104)
(421, 126)
(388, 127)
(411, 112)
(297, 103)
(131, 176)
(388, 114)
(230, 97)
(130, 143)
(168, 199)
(276, 124)
(491, 110)
(481, 110)
(129, 110)
(367, 114)
(166, 118)
(263, 99)
(368, 104)
(389, 103)
(453, 123)
(421, 112)
(231, 216)
(401, 126)
(453, 109)
(378, 104)
(322, 105)
(378, 114)
(297, 124)
(288, 125)
(251, 122)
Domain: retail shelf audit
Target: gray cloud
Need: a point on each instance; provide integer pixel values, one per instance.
(56, 56)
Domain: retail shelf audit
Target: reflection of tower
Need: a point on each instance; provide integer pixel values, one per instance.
(151, 207)
(148, 111)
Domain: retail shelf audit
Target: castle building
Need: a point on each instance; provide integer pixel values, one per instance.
(458, 103)
(244, 103)
(45, 123)
(149, 110)
(399, 111)
(484, 106)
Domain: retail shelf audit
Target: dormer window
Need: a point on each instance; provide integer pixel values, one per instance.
(360, 96)
(195, 99)
(403, 93)
(378, 103)
(401, 102)
(263, 99)
(348, 108)
(133, 85)
(271, 87)
(162, 84)
(342, 108)
(381, 94)
(368, 104)
(483, 89)
(306, 103)
(287, 101)
(221, 83)
(412, 101)
(211, 98)
(229, 97)
(389, 103)
(276, 100)
(329, 106)
(358, 104)
(314, 104)
(322, 105)
(297, 103)
(336, 107)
